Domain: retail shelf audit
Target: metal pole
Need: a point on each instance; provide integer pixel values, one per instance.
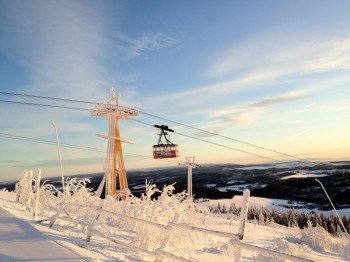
(59, 154)
(330, 201)
(189, 180)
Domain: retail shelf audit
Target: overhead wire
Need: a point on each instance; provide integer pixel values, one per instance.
(93, 149)
(165, 119)
(48, 142)
(223, 136)
(48, 97)
(193, 137)
(267, 182)
(71, 146)
(43, 105)
(210, 142)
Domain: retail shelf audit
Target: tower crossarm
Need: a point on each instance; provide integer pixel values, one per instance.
(103, 109)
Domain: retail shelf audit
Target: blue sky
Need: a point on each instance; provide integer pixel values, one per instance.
(274, 73)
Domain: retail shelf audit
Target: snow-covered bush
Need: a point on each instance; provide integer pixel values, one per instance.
(316, 238)
(80, 203)
(161, 210)
(75, 191)
(292, 246)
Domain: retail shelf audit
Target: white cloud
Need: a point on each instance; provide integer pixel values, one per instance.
(271, 62)
(312, 109)
(247, 113)
(294, 54)
(150, 41)
(62, 46)
(202, 94)
(303, 132)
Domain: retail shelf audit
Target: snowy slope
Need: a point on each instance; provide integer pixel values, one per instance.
(278, 204)
(19, 240)
(204, 248)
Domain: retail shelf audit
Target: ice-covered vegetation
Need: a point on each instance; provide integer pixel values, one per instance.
(315, 239)
(145, 223)
(79, 204)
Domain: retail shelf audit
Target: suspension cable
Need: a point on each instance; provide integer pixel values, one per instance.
(148, 114)
(210, 142)
(72, 146)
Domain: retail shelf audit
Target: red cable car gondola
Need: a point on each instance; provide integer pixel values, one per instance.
(167, 149)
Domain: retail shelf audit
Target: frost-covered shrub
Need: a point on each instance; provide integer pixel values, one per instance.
(319, 239)
(112, 216)
(316, 238)
(291, 246)
(161, 210)
(81, 205)
(48, 197)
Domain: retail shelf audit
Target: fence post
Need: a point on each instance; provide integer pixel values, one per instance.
(19, 188)
(37, 192)
(238, 254)
(17, 191)
(22, 188)
(167, 238)
(244, 212)
(235, 243)
(55, 216)
(91, 226)
(29, 190)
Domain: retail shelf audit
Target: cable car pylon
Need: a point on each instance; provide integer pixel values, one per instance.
(115, 168)
(190, 163)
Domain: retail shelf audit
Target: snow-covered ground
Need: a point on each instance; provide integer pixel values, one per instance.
(278, 165)
(304, 175)
(315, 244)
(19, 240)
(278, 204)
(312, 173)
(240, 187)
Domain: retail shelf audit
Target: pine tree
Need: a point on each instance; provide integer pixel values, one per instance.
(261, 218)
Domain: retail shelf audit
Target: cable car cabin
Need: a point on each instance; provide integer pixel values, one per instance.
(165, 151)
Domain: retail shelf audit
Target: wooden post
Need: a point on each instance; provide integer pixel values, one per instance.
(55, 216)
(238, 254)
(37, 192)
(20, 189)
(243, 215)
(29, 190)
(167, 238)
(90, 228)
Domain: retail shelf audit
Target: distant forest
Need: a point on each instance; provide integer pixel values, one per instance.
(290, 218)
